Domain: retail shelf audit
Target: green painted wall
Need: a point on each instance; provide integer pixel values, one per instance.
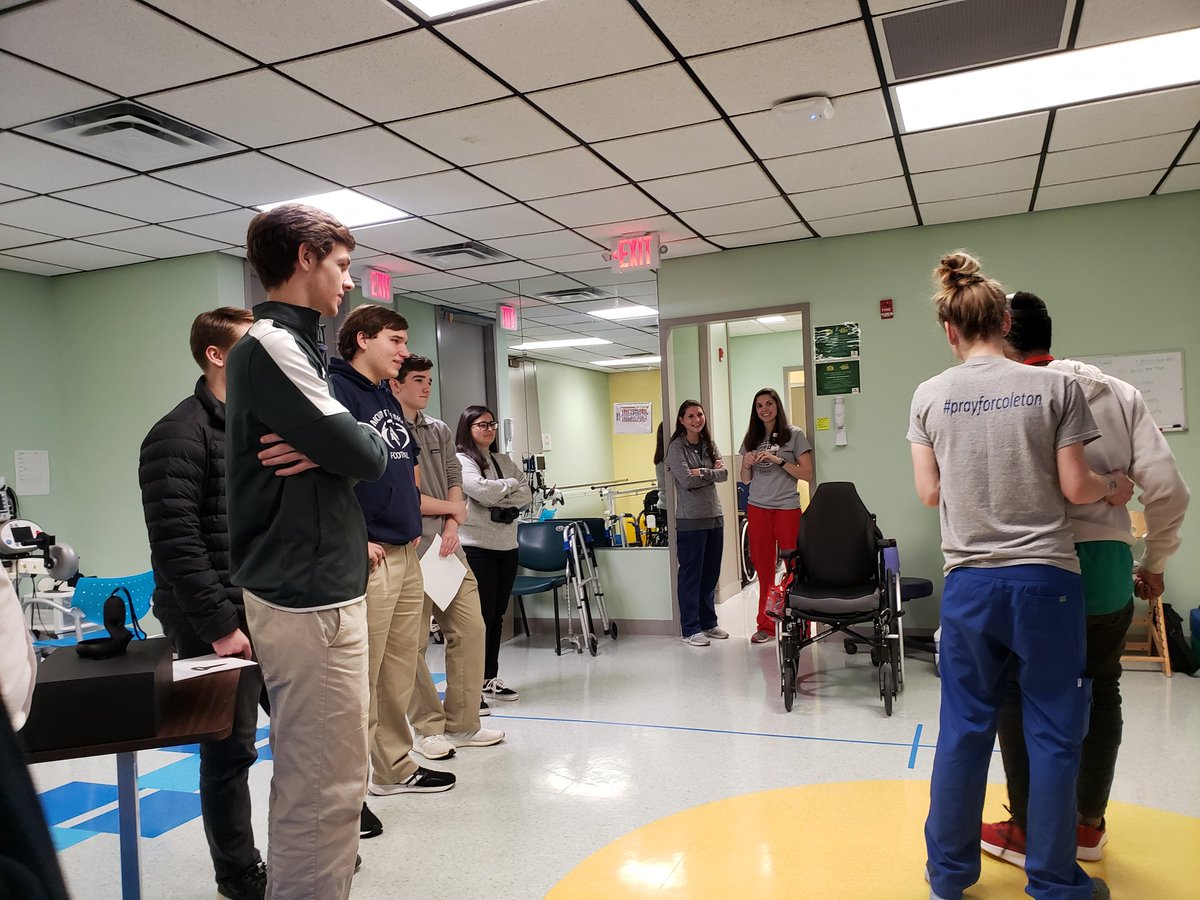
(757, 361)
(1118, 277)
(575, 411)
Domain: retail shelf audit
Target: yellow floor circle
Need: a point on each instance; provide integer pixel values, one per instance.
(861, 839)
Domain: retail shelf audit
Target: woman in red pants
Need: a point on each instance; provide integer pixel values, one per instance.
(775, 455)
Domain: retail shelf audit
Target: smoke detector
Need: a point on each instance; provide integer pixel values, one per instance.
(812, 109)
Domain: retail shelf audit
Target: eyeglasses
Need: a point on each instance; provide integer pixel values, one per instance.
(486, 426)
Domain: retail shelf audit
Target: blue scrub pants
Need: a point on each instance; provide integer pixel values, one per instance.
(699, 555)
(1031, 617)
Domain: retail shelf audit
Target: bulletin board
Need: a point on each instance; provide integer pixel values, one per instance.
(1159, 376)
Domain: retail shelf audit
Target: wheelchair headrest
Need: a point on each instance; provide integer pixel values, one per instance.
(837, 542)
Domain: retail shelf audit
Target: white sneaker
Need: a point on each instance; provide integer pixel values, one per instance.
(484, 737)
(435, 746)
(717, 633)
(696, 640)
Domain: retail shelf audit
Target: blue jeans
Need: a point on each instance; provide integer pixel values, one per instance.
(699, 555)
(1032, 619)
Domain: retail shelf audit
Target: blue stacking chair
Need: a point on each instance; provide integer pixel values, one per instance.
(89, 597)
(540, 548)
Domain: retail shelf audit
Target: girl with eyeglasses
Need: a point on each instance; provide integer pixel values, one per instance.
(496, 491)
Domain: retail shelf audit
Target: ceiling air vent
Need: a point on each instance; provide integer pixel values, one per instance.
(132, 135)
(457, 256)
(574, 295)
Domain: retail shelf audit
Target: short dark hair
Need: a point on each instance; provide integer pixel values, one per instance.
(368, 319)
(1032, 329)
(414, 363)
(274, 238)
(216, 328)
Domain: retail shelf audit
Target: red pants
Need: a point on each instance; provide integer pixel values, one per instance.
(769, 529)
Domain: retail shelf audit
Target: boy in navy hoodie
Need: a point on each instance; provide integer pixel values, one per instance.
(373, 342)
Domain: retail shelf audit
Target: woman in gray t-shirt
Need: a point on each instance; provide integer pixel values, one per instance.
(775, 456)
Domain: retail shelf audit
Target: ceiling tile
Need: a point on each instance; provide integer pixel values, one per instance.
(880, 7)
(441, 192)
(857, 118)
(1104, 21)
(689, 247)
(263, 31)
(430, 282)
(397, 77)
(501, 271)
(1192, 153)
(229, 227)
(43, 93)
(78, 255)
(247, 179)
(713, 188)
(1182, 178)
(700, 26)
(968, 208)
(11, 193)
(1100, 190)
(480, 293)
(692, 148)
(496, 221)
(841, 165)
(574, 262)
(145, 198)
(570, 171)
(613, 281)
(740, 216)
(537, 45)
(530, 287)
(404, 237)
(604, 108)
(758, 236)
(20, 237)
(17, 264)
(852, 198)
(969, 145)
(831, 62)
(668, 228)
(976, 181)
(256, 108)
(119, 46)
(359, 157)
(597, 207)
(58, 217)
(554, 243)
(156, 241)
(485, 132)
(877, 220)
(239, 252)
(1129, 117)
(1138, 155)
(43, 168)
(394, 264)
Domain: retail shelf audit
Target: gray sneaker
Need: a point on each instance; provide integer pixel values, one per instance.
(717, 633)
(696, 640)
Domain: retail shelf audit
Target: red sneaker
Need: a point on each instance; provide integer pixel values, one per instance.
(1090, 840)
(1004, 840)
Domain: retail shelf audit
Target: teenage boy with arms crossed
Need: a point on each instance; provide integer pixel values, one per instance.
(297, 549)
(181, 470)
(441, 728)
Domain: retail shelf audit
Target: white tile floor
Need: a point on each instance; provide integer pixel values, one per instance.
(599, 746)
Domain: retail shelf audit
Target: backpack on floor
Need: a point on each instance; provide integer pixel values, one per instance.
(1180, 650)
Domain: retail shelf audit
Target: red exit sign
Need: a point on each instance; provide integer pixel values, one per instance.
(635, 252)
(377, 285)
(508, 317)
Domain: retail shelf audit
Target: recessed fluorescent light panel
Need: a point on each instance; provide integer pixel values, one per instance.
(624, 312)
(1060, 79)
(628, 361)
(566, 342)
(771, 320)
(433, 9)
(351, 209)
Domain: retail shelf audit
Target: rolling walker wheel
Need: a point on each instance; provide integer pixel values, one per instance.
(875, 658)
(789, 684)
(592, 644)
(887, 686)
(612, 630)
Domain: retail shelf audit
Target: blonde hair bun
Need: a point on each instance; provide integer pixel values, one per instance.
(957, 270)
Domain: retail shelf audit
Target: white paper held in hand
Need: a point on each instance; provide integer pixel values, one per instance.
(442, 574)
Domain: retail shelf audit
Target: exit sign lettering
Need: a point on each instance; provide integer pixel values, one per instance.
(377, 285)
(635, 252)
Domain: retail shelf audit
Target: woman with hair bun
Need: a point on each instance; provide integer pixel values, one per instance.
(998, 448)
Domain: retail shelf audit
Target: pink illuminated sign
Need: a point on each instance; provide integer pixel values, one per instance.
(508, 317)
(635, 252)
(377, 285)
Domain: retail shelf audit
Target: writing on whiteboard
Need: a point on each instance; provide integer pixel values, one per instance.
(1158, 375)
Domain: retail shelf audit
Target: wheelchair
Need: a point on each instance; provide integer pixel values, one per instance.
(836, 578)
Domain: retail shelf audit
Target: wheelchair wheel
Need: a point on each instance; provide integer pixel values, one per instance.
(895, 662)
(876, 658)
(747, 562)
(887, 687)
(789, 684)
(851, 646)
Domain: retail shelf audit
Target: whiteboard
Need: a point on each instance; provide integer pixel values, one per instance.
(1159, 376)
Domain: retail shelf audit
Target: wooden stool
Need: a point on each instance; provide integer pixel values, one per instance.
(1152, 647)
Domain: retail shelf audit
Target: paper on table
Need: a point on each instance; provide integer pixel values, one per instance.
(207, 665)
(442, 574)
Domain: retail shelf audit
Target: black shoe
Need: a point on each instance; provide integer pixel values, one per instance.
(249, 884)
(484, 709)
(422, 781)
(369, 825)
(357, 862)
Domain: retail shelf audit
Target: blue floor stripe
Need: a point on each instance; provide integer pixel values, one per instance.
(74, 799)
(916, 743)
(183, 776)
(160, 812)
(68, 837)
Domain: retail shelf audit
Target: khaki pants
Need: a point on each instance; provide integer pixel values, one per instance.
(395, 599)
(462, 624)
(314, 668)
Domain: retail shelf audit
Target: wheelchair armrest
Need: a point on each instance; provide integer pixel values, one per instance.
(882, 543)
(788, 555)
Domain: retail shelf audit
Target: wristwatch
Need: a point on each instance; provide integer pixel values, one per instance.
(1112, 487)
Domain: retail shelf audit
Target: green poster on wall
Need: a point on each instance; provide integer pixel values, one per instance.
(836, 341)
(837, 377)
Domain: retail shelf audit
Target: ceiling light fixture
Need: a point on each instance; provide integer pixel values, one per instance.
(812, 109)
(771, 320)
(350, 208)
(634, 311)
(433, 9)
(566, 342)
(1043, 82)
(628, 361)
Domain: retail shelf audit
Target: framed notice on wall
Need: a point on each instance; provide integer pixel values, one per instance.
(836, 341)
(632, 418)
(839, 377)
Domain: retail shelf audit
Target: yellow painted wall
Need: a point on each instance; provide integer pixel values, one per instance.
(633, 454)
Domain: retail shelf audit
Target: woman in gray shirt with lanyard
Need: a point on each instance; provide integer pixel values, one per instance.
(695, 463)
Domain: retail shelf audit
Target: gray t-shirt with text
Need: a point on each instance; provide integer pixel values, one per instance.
(995, 427)
(771, 487)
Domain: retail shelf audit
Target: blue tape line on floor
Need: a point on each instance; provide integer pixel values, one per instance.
(183, 775)
(74, 799)
(916, 744)
(160, 812)
(68, 837)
